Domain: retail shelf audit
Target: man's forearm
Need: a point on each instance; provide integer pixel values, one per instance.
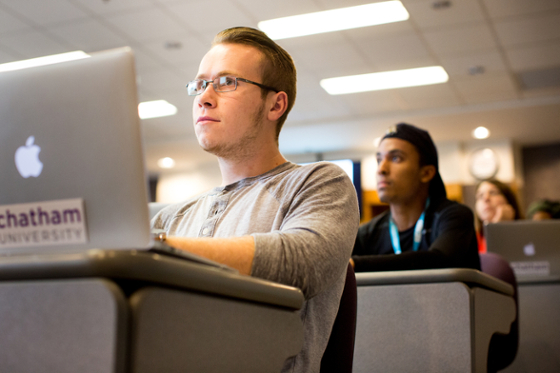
(235, 252)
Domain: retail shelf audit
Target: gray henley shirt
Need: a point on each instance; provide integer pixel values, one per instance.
(304, 220)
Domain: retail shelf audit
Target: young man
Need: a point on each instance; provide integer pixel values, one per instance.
(270, 218)
(422, 229)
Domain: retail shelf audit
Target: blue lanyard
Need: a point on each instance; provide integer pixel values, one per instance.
(395, 240)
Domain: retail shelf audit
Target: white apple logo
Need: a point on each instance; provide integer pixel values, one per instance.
(27, 159)
(529, 249)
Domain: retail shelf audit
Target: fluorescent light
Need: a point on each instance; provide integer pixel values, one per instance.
(166, 162)
(481, 133)
(334, 20)
(155, 109)
(46, 60)
(385, 80)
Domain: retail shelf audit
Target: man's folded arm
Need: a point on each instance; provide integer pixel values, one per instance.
(235, 252)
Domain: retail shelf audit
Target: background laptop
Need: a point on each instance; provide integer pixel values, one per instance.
(83, 115)
(531, 247)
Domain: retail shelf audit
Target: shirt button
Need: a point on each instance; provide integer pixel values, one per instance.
(205, 231)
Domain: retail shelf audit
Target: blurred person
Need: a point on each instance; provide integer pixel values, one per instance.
(494, 202)
(270, 218)
(422, 228)
(543, 210)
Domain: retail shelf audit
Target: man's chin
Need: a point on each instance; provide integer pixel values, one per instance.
(383, 197)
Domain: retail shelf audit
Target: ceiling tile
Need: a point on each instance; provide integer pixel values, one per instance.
(318, 40)
(373, 102)
(487, 87)
(461, 11)
(507, 8)
(540, 92)
(10, 23)
(210, 15)
(534, 57)
(335, 4)
(459, 66)
(113, 6)
(32, 44)
(403, 64)
(165, 129)
(191, 50)
(454, 42)
(528, 29)
(265, 10)
(162, 80)
(332, 55)
(396, 52)
(145, 62)
(429, 96)
(189, 70)
(310, 108)
(6, 56)
(382, 31)
(313, 103)
(485, 97)
(45, 12)
(89, 35)
(146, 25)
(338, 60)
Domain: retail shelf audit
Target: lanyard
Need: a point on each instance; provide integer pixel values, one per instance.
(395, 240)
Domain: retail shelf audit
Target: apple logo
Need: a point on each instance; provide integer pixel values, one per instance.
(529, 249)
(27, 159)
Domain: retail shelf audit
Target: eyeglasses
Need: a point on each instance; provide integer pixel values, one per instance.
(220, 84)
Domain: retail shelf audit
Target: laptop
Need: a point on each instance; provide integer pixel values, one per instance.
(531, 247)
(70, 133)
(73, 174)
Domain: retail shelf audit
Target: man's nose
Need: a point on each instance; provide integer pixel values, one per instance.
(207, 97)
(382, 168)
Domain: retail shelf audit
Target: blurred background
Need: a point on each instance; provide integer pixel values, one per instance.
(502, 58)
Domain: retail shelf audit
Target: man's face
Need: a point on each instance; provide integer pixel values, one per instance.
(227, 124)
(399, 175)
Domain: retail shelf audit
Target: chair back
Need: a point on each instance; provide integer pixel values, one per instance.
(503, 347)
(339, 354)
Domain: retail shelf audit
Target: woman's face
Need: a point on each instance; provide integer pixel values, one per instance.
(488, 198)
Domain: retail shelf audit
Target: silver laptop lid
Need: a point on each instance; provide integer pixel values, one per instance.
(531, 247)
(75, 127)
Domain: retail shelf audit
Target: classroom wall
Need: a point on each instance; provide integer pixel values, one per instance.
(453, 157)
(454, 162)
(540, 171)
(174, 187)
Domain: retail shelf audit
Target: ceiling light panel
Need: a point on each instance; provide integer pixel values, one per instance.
(41, 61)
(334, 20)
(385, 80)
(156, 109)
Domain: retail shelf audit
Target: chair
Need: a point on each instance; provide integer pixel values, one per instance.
(503, 347)
(339, 354)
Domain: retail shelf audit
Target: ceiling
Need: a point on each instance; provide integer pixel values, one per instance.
(502, 56)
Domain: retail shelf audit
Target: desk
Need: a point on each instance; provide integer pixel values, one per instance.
(429, 320)
(539, 327)
(133, 311)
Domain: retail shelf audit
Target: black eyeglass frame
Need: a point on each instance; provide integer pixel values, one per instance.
(236, 79)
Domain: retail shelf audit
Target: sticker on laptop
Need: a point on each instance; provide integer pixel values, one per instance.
(531, 268)
(48, 223)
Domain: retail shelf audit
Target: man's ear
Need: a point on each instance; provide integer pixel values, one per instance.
(278, 106)
(427, 173)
